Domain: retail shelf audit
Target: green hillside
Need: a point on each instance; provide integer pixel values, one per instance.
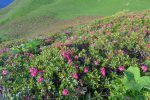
(108, 59)
(25, 18)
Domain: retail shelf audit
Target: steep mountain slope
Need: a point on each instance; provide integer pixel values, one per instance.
(106, 59)
(25, 18)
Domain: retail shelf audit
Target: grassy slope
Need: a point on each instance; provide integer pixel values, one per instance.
(127, 32)
(37, 16)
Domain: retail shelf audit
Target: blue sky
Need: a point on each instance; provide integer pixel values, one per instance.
(4, 3)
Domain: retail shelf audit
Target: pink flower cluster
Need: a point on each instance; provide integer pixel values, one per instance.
(144, 68)
(96, 62)
(41, 79)
(148, 45)
(4, 50)
(67, 55)
(121, 68)
(86, 69)
(33, 72)
(65, 92)
(75, 76)
(103, 71)
(92, 32)
(4, 72)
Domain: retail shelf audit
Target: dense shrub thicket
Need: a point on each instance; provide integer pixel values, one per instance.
(108, 59)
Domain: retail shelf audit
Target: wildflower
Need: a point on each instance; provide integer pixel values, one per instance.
(75, 37)
(121, 68)
(31, 55)
(66, 32)
(4, 72)
(86, 69)
(123, 52)
(33, 72)
(76, 57)
(75, 76)
(6, 49)
(68, 38)
(58, 44)
(110, 25)
(72, 50)
(40, 80)
(96, 62)
(65, 54)
(148, 45)
(144, 68)
(16, 55)
(108, 33)
(83, 38)
(92, 32)
(104, 26)
(26, 53)
(65, 92)
(70, 61)
(103, 72)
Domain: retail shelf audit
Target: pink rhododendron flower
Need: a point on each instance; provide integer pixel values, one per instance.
(4, 72)
(76, 57)
(86, 69)
(26, 53)
(72, 50)
(103, 71)
(58, 44)
(66, 32)
(104, 26)
(75, 37)
(66, 54)
(144, 68)
(110, 25)
(92, 32)
(83, 38)
(108, 33)
(96, 62)
(40, 80)
(31, 55)
(123, 52)
(16, 55)
(148, 45)
(75, 76)
(121, 68)
(68, 38)
(65, 92)
(33, 72)
(70, 61)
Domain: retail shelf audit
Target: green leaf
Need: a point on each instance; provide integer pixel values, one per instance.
(144, 81)
(133, 81)
(135, 71)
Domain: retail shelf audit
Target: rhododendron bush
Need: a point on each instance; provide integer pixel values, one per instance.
(93, 62)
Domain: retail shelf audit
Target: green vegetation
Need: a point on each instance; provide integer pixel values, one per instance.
(26, 18)
(107, 59)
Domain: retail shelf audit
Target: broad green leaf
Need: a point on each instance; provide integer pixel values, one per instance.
(144, 81)
(135, 71)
